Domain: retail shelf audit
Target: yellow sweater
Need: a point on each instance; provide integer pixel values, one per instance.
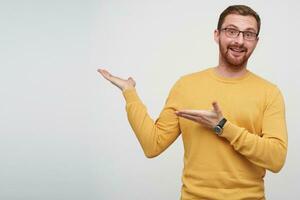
(231, 166)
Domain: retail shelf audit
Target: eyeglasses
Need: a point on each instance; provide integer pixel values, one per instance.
(234, 33)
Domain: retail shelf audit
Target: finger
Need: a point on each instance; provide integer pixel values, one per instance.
(110, 77)
(217, 108)
(203, 119)
(132, 81)
(101, 71)
(105, 74)
(206, 120)
(190, 117)
(206, 113)
(190, 112)
(199, 120)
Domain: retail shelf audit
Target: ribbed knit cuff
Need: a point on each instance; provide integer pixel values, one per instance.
(231, 132)
(130, 95)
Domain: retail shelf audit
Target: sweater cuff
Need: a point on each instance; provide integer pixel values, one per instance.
(130, 95)
(231, 132)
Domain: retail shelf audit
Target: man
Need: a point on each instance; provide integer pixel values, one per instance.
(227, 149)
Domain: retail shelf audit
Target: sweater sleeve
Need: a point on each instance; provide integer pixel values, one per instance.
(154, 136)
(268, 150)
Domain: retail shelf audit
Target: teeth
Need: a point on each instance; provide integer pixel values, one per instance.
(237, 50)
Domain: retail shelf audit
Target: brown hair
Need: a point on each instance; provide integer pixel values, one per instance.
(240, 10)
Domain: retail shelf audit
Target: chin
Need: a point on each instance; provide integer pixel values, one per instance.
(236, 63)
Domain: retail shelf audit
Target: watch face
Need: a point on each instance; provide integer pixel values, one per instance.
(218, 130)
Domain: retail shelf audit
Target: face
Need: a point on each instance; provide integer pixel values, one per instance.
(235, 52)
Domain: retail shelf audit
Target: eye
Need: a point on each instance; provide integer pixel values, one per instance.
(249, 34)
(232, 31)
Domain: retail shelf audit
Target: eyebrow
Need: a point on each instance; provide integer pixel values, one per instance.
(247, 29)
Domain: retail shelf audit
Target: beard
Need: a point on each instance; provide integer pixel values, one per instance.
(234, 55)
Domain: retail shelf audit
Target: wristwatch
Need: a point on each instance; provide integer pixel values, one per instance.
(219, 127)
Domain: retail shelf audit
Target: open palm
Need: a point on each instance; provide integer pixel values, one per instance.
(123, 84)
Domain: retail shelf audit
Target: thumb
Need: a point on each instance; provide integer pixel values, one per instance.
(216, 108)
(131, 79)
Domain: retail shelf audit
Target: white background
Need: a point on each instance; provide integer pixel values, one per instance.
(63, 129)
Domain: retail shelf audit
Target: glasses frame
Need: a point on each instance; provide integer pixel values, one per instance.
(243, 32)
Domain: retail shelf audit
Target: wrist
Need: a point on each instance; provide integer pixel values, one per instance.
(127, 88)
(218, 129)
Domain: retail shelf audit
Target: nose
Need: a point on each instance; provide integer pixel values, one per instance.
(239, 39)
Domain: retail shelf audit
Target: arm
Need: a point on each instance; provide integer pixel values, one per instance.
(154, 137)
(268, 151)
(157, 136)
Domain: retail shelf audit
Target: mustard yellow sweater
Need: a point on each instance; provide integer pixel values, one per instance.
(231, 166)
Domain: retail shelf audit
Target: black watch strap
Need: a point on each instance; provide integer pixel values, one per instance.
(222, 123)
(219, 127)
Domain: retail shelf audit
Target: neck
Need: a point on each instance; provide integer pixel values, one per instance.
(229, 71)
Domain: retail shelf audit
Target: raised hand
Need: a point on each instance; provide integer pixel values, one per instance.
(208, 118)
(119, 82)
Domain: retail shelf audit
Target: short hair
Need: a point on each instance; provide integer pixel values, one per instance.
(239, 10)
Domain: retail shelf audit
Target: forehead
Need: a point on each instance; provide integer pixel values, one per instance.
(240, 21)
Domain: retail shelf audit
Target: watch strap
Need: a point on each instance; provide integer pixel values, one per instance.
(222, 123)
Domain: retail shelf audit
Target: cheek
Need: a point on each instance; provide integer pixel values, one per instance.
(225, 42)
(250, 47)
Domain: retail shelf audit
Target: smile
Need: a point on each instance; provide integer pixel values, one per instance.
(237, 50)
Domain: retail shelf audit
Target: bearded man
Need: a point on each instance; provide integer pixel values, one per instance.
(227, 149)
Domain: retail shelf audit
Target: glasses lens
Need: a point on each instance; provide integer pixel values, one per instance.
(249, 35)
(230, 32)
(233, 33)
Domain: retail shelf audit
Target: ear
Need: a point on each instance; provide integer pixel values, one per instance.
(257, 39)
(217, 36)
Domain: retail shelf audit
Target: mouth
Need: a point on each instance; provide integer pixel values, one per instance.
(237, 51)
